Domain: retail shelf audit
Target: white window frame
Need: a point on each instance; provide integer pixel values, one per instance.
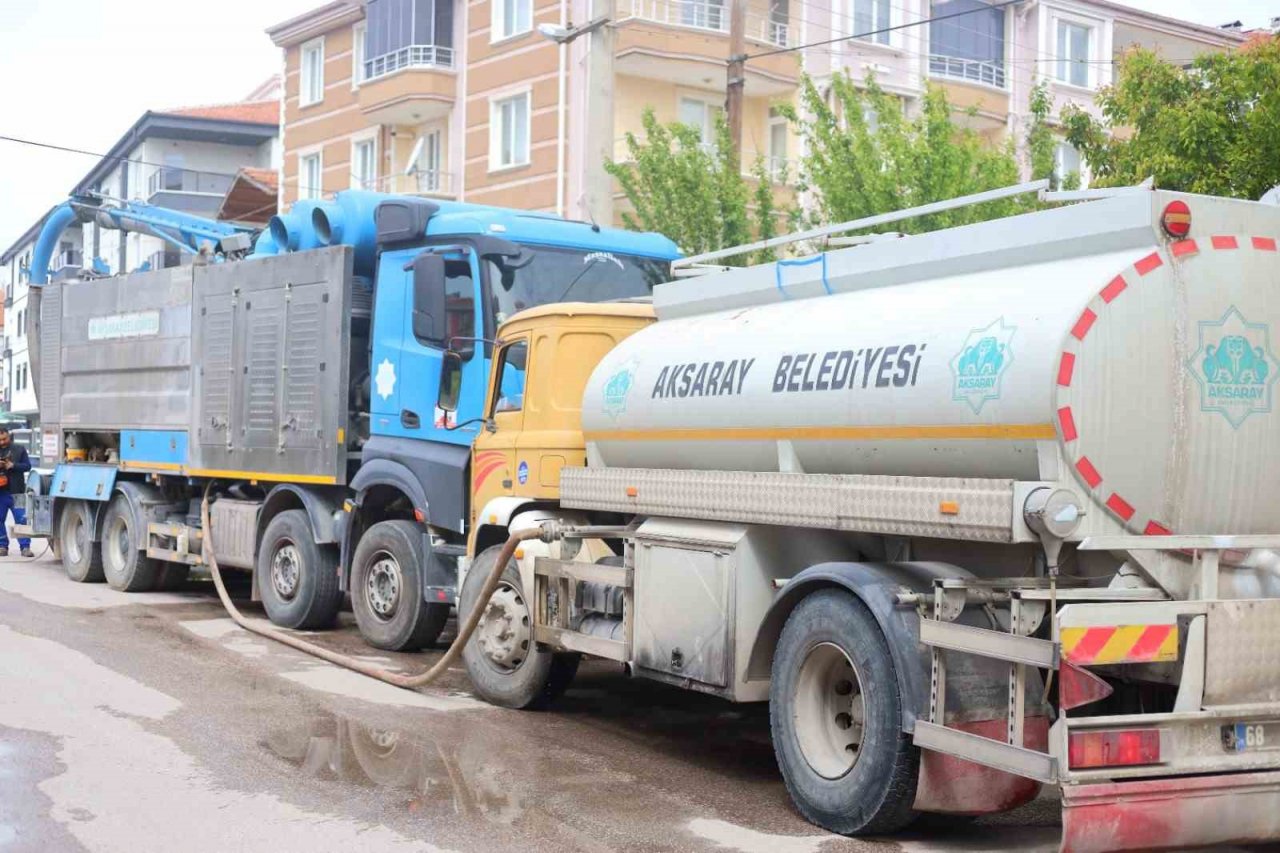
(305, 190)
(357, 54)
(357, 142)
(706, 133)
(1059, 171)
(777, 163)
(431, 176)
(307, 98)
(1097, 72)
(495, 130)
(883, 39)
(497, 20)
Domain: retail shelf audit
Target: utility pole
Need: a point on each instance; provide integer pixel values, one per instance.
(736, 79)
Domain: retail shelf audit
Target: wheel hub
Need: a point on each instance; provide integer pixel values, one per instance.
(503, 631)
(77, 543)
(382, 589)
(829, 711)
(286, 569)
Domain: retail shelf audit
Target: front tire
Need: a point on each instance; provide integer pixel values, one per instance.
(297, 579)
(386, 589)
(126, 568)
(502, 660)
(81, 556)
(836, 716)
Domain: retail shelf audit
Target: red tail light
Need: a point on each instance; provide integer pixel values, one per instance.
(1176, 219)
(1126, 748)
(1078, 687)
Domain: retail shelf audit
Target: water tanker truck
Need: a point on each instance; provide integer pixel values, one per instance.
(296, 369)
(975, 511)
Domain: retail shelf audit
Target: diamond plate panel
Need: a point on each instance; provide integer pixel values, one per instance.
(1242, 652)
(895, 506)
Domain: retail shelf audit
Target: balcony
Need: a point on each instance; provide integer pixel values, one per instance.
(409, 85)
(678, 49)
(431, 183)
(968, 70)
(188, 190)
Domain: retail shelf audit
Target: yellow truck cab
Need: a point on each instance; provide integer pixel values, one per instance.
(533, 428)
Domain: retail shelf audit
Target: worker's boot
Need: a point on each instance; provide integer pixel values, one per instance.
(4, 552)
(27, 552)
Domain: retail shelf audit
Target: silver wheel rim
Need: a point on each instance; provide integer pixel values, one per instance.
(829, 711)
(383, 585)
(116, 543)
(286, 569)
(77, 544)
(503, 632)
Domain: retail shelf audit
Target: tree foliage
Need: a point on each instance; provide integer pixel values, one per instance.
(1212, 127)
(693, 193)
(864, 156)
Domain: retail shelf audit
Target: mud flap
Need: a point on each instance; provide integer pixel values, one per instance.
(1156, 814)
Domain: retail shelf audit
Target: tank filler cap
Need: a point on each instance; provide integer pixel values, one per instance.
(1051, 512)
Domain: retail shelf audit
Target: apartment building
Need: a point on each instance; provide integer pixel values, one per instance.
(467, 99)
(184, 159)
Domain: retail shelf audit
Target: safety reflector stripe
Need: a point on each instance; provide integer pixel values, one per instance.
(1224, 241)
(1120, 506)
(1065, 368)
(1067, 422)
(1113, 289)
(1083, 325)
(1147, 264)
(1090, 473)
(1184, 247)
(1264, 244)
(1120, 644)
(1155, 528)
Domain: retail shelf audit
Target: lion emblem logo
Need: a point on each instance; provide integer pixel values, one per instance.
(977, 370)
(1234, 367)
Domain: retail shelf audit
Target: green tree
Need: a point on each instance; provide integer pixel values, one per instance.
(1041, 142)
(1212, 127)
(863, 156)
(691, 192)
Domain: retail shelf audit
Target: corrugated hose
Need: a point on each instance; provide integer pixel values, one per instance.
(466, 627)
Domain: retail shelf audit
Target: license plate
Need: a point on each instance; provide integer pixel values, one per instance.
(1249, 737)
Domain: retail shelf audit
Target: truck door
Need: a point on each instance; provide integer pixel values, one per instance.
(496, 470)
(406, 370)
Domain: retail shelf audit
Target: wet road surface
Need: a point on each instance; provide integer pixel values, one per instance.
(151, 722)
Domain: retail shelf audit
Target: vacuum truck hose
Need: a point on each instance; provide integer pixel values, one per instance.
(466, 627)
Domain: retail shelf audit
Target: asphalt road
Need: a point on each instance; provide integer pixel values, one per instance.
(151, 722)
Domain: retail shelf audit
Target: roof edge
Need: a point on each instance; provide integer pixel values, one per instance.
(316, 22)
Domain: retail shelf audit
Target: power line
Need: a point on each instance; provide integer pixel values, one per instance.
(112, 157)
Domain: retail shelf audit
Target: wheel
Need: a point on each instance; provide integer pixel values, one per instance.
(81, 556)
(172, 577)
(386, 589)
(389, 759)
(126, 568)
(297, 579)
(505, 666)
(836, 718)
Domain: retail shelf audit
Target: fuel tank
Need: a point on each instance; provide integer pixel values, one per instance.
(1081, 344)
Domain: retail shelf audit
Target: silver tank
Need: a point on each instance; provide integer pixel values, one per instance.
(1079, 344)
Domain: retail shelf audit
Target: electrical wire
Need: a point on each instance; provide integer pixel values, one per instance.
(110, 157)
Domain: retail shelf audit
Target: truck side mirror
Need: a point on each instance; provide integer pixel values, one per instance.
(450, 381)
(429, 321)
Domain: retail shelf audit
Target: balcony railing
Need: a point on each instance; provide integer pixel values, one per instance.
(187, 181)
(771, 27)
(410, 56)
(972, 70)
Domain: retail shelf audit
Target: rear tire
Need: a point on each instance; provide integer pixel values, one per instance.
(509, 670)
(836, 718)
(81, 556)
(297, 579)
(126, 568)
(386, 589)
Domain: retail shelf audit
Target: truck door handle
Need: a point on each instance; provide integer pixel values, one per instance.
(409, 420)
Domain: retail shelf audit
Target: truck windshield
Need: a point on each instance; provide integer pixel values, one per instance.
(573, 275)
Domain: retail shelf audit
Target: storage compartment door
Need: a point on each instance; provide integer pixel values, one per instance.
(683, 610)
